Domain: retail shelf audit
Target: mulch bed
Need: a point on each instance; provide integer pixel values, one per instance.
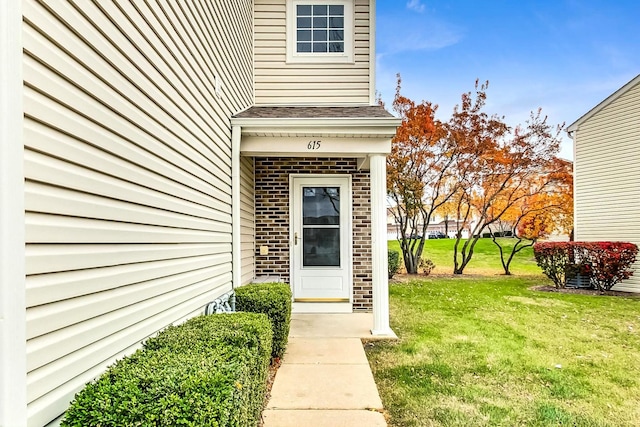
(273, 370)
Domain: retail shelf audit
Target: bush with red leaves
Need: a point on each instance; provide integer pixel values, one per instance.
(609, 262)
(553, 258)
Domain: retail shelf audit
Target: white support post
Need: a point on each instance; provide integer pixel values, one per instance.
(13, 346)
(379, 246)
(236, 275)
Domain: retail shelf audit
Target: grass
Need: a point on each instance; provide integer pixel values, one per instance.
(485, 260)
(489, 351)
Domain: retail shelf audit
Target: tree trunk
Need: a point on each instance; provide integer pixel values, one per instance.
(516, 248)
(410, 264)
(466, 254)
(411, 255)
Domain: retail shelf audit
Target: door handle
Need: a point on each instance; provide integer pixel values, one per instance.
(295, 238)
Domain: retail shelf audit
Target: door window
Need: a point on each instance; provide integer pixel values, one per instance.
(321, 227)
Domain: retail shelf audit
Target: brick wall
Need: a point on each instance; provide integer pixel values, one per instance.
(272, 217)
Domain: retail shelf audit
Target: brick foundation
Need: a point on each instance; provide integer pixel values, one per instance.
(272, 217)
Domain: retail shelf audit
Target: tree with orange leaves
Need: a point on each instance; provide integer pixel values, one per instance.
(476, 134)
(537, 215)
(511, 168)
(420, 172)
(563, 217)
(473, 166)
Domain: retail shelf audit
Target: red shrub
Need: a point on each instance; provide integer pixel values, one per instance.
(553, 258)
(611, 262)
(608, 262)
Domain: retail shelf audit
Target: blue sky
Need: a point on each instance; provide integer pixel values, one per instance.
(564, 56)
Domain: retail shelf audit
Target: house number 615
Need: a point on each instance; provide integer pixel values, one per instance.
(313, 145)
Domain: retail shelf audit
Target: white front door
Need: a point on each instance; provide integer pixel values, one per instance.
(321, 238)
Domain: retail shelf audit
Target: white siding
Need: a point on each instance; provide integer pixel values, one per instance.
(279, 82)
(247, 219)
(607, 173)
(128, 176)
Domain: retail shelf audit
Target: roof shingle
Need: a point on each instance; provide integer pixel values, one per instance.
(314, 112)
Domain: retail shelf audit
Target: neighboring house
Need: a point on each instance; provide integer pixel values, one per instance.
(437, 224)
(607, 172)
(162, 153)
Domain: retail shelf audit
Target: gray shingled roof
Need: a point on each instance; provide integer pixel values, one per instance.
(310, 112)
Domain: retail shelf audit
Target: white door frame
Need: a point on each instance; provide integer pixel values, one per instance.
(346, 245)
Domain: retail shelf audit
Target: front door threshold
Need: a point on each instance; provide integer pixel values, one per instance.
(321, 307)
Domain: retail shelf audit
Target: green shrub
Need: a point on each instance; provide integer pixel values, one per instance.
(209, 371)
(394, 263)
(274, 300)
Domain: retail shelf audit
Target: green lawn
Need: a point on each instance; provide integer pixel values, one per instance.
(486, 256)
(488, 351)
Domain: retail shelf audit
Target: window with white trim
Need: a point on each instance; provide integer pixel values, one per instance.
(320, 31)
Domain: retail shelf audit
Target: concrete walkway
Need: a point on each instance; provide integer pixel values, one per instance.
(325, 378)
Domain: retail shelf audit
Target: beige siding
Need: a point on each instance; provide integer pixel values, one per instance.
(607, 168)
(128, 176)
(247, 219)
(279, 82)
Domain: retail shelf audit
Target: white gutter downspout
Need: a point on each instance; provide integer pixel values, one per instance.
(236, 274)
(572, 134)
(372, 52)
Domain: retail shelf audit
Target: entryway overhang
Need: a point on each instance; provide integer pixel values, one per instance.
(324, 131)
(361, 132)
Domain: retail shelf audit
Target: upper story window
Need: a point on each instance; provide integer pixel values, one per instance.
(320, 28)
(320, 31)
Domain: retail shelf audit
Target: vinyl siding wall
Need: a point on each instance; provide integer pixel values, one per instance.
(279, 82)
(247, 218)
(128, 176)
(607, 174)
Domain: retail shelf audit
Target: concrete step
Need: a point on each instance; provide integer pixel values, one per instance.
(324, 387)
(323, 418)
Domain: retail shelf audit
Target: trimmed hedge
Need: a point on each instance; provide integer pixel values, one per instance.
(209, 371)
(394, 263)
(274, 300)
